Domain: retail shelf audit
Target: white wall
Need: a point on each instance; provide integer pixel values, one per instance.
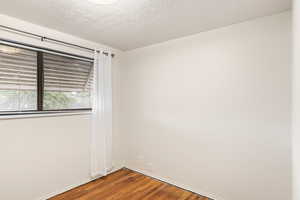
(211, 112)
(42, 156)
(296, 102)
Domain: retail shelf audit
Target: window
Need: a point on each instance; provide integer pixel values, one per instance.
(33, 81)
(67, 83)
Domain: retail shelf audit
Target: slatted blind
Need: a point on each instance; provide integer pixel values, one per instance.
(65, 84)
(67, 74)
(18, 68)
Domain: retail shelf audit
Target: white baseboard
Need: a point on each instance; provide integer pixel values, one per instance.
(185, 187)
(52, 194)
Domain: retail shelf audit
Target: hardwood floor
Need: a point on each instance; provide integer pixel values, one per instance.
(127, 185)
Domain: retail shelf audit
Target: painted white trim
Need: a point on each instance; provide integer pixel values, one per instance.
(52, 194)
(172, 182)
(5, 117)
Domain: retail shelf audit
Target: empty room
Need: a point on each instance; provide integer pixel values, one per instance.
(149, 100)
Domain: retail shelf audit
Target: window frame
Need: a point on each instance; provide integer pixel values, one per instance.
(40, 79)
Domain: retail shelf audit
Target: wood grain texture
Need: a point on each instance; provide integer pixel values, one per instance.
(128, 185)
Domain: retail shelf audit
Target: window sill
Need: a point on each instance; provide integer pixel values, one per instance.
(44, 114)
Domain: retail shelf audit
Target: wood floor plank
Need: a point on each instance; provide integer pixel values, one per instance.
(128, 185)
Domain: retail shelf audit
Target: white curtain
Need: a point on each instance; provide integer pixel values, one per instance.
(101, 122)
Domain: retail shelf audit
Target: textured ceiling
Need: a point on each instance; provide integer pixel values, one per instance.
(130, 24)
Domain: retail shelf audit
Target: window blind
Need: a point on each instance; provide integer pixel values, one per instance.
(18, 68)
(66, 74)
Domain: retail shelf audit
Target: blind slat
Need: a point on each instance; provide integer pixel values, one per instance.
(66, 76)
(85, 66)
(64, 69)
(15, 60)
(18, 81)
(13, 71)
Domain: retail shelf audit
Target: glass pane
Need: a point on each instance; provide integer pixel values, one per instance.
(66, 100)
(18, 87)
(17, 100)
(67, 83)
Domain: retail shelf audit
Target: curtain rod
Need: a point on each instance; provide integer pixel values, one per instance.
(30, 46)
(43, 38)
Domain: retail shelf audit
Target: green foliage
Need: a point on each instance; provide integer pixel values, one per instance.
(57, 100)
(15, 100)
